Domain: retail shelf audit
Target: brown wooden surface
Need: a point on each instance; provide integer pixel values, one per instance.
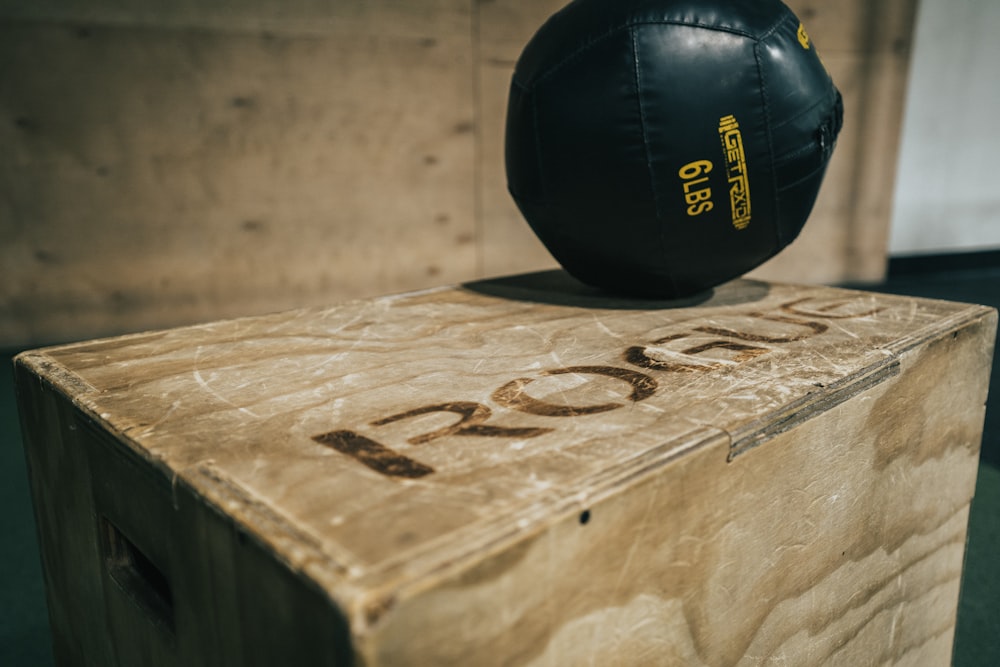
(165, 168)
(521, 471)
(168, 164)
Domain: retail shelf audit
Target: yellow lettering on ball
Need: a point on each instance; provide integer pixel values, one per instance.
(698, 198)
(803, 37)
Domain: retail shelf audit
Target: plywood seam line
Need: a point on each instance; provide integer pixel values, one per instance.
(531, 518)
(812, 405)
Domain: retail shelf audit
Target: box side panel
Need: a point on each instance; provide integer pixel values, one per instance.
(140, 570)
(59, 474)
(839, 541)
(249, 607)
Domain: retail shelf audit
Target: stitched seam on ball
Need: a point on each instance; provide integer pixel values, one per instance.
(545, 74)
(799, 181)
(777, 24)
(538, 147)
(637, 74)
(645, 146)
(785, 158)
(823, 100)
(523, 86)
(765, 102)
(770, 144)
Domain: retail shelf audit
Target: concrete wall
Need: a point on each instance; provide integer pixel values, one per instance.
(947, 197)
(168, 163)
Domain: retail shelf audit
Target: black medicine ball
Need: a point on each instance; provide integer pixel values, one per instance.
(661, 147)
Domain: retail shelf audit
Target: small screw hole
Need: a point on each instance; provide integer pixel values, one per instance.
(584, 517)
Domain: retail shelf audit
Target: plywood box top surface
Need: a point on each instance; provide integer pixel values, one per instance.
(377, 442)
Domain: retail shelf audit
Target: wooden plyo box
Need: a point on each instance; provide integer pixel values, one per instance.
(516, 472)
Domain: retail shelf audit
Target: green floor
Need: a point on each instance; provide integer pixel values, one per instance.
(975, 279)
(24, 634)
(24, 623)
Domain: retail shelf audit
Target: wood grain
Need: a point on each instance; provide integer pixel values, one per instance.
(157, 175)
(169, 165)
(774, 473)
